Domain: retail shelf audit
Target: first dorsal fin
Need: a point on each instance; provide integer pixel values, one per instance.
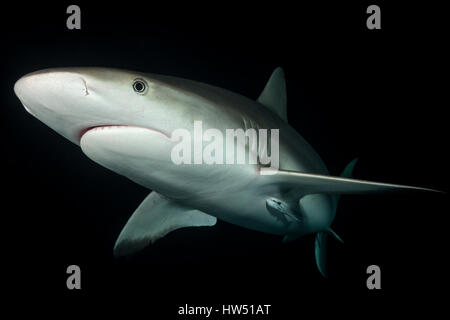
(274, 94)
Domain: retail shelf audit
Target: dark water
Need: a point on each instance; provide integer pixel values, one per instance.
(377, 95)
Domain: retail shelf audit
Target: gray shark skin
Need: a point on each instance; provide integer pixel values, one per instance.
(129, 132)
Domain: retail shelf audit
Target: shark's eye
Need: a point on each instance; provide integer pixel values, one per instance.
(140, 86)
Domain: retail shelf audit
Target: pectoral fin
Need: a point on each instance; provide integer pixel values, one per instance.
(153, 219)
(308, 183)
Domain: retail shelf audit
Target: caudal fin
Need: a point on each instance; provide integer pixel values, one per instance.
(302, 184)
(348, 171)
(321, 249)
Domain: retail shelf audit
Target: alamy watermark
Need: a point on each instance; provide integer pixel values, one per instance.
(74, 279)
(74, 20)
(237, 147)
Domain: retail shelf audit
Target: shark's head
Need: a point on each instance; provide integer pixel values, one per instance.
(73, 101)
(122, 120)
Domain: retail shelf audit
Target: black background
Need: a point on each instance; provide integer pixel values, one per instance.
(379, 95)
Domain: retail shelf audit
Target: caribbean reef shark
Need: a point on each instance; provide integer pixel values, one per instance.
(124, 121)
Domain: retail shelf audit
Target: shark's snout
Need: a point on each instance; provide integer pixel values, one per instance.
(50, 89)
(57, 97)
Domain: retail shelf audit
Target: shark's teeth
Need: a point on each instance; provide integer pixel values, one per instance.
(99, 127)
(117, 126)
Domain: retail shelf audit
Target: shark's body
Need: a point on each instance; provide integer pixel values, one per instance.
(129, 131)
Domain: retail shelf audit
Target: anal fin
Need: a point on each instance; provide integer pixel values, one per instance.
(335, 235)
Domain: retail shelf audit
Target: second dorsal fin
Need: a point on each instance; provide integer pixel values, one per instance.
(274, 94)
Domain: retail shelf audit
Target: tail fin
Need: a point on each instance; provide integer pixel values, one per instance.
(309, 183)
(348, 171)
(320, 249)
(321, 242)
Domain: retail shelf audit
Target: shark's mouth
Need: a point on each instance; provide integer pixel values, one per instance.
(100, 127)
(115, 126)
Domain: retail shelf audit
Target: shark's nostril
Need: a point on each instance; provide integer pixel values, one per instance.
(86, 91)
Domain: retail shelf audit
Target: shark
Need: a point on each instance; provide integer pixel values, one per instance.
(124, 121)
